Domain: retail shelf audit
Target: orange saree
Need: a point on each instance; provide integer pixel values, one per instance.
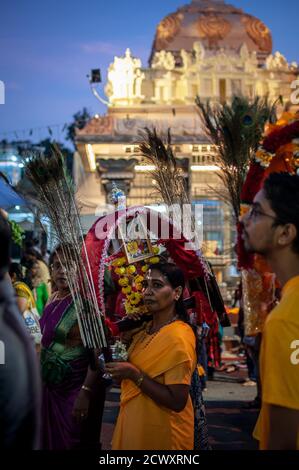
(168, 357)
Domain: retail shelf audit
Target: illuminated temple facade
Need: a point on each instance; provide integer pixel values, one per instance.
(206, 48)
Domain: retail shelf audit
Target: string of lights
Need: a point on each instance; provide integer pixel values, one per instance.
(51, 129)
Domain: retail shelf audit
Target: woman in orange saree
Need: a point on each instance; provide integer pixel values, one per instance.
(156, 411)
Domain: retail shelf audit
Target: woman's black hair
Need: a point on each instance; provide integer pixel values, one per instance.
(60, 249)
(32, 263)
(35, 253)
(176, 278)
(16, 268)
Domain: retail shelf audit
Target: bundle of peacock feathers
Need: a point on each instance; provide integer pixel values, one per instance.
(55, 198)
(168, 177)
(237, 131)
(170, 184)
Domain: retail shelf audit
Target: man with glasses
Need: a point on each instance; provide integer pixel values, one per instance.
(271, 229)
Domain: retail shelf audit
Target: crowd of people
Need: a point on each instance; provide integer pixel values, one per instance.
(52, 388)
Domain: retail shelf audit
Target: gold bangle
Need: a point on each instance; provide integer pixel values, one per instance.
(140, 380)
(87, 389)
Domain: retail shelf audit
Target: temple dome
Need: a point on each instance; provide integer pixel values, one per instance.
(217, 25)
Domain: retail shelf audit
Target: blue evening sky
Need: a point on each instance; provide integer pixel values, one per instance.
(48, 47)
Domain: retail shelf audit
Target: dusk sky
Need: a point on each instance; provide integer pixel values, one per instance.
(48, 47)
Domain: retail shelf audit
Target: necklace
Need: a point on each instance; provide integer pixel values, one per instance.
(150, 336)
(56, 296)
(148, 329)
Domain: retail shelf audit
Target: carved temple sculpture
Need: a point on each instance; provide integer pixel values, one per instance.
(124, 79)
(178, 78)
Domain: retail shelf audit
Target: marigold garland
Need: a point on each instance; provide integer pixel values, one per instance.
(281, 137)
(131, 278)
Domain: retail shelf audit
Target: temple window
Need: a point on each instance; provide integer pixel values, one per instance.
(222, 90)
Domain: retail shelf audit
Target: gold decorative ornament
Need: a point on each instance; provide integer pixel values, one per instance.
(140, 380)
(167, 29)
(258, 298)
(213, 27)
(259, 33)
(264, 157)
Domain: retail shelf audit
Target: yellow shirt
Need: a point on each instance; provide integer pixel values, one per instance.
(22, 290)
(279, 370)
(168, 358)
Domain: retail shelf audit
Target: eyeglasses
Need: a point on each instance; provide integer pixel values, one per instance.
(254, 213)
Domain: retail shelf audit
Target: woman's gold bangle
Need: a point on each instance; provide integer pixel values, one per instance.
(87, 389)
(140, 380)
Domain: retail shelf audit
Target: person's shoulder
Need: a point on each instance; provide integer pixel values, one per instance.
(288, 305)
(280, 329)
(181, 331)
(274, 321)
(286, 310)
(182, 338)
(183, 326)
(179, 326)
(22, 289)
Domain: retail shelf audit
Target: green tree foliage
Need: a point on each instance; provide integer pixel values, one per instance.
(80, 119)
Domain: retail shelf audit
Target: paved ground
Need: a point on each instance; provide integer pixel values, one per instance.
(230, 424)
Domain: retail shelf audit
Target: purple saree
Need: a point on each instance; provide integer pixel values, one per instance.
(64, 364)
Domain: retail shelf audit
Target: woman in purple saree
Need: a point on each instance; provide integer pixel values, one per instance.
(73, 393)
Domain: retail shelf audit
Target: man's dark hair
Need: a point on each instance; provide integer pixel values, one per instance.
(282, 191)
(5, 245)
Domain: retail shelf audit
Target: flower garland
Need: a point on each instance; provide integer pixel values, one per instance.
(282, 139)
(174, 246)
(131, 277)
(104, 259)
(281, 136)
